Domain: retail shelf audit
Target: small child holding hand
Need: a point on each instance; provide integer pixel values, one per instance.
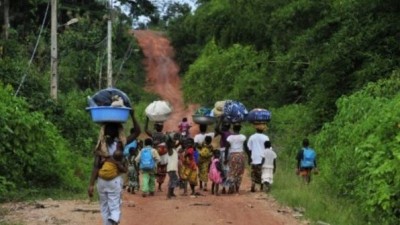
(216, 174)
(268, 166)
(172, 168)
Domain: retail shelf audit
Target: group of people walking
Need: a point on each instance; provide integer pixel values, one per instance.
(189, 162)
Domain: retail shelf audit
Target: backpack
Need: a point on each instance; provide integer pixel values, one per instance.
(128, 147)
(308, 158)
(146, 159)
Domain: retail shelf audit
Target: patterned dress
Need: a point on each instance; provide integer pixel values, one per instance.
(189, 170)
(204, 161)
(133, 174)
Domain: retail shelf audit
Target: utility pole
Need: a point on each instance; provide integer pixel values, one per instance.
(6, 16)
(54, 51)
(109, 50)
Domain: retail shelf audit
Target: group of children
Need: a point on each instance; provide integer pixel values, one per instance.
(186, 166)
(187, 162)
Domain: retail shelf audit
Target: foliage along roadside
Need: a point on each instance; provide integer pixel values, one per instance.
(311, 52)
(359, 150)
(358, 157)
(34, 154)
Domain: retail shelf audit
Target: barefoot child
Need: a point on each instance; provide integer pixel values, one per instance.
(268, 166)
(215, 173)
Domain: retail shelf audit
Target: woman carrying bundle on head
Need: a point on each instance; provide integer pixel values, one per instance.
(236, 159)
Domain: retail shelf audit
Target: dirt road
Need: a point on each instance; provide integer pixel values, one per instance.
(245, 208)
(162, 75)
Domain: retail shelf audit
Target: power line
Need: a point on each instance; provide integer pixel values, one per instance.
(34, 50)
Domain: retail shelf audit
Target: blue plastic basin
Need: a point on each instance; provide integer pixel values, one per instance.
(101, 114)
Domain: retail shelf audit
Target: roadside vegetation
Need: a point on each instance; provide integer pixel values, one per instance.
(327, 70)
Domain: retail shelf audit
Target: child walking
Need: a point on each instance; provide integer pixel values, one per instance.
(189, 173)
(184, 127)
(133, 171)
(268, 166)
(172, 168)
(216, 174)
(306, 161)
(148, 159)
(205, 154)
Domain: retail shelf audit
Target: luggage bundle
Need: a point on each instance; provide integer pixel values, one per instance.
(259, 115)
(218, 109)
(109, 105)
(158, 111)
(203, 115)
(233, 111)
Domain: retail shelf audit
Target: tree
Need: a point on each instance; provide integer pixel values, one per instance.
(139, 7)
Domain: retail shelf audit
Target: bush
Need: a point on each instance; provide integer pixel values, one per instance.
(361, 157)
(34, 154)
(75, 122)
(289, 126)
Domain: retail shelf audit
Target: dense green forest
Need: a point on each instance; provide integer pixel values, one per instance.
(327, 70)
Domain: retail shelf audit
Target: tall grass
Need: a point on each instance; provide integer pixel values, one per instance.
(318, 203)
(288, 127)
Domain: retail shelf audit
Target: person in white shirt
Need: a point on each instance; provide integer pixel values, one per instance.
(268, 166)
(172, 168)
(199, 138)
(199, 141)
(236, 159)
(255, 153)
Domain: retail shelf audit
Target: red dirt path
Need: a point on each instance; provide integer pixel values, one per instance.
(162, 75)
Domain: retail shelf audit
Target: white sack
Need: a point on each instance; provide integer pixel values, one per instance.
(158, 111)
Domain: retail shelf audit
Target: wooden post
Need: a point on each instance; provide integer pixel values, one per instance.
(109, 44)
(54, 51)
(6, 25)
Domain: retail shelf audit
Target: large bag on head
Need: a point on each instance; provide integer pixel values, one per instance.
(158, 111)
(146, 159)
(259, 115)
(235, 111)
(104, 97)
(203, 115)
